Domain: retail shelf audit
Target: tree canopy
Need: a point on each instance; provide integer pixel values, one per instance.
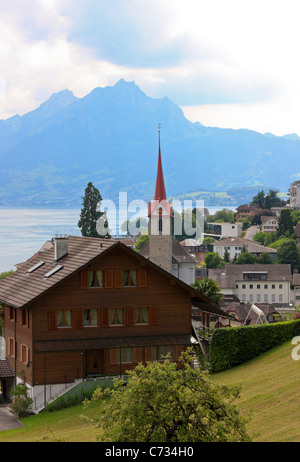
(210, 289)
(91, 218)
(161, 402)
(267, 201)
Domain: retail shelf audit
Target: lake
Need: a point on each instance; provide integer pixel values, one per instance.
(24, 231)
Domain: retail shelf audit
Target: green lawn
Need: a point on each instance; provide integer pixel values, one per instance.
(64, 425)
(270, 389)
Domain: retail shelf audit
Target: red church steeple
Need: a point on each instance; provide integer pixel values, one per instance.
(160, 197)
(160, 191)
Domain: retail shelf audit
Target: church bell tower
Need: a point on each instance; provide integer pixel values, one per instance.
(160, 221)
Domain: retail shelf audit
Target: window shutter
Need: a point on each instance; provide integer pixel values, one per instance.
(148, 354)
(114, 356)
(52, 320)
(84, 276)
(78, 319)
(137, 355)
(178, 350)
(118, 279)
(153, 316)
(130, 316)
(142, 277)
(104, 318)
(109, 279)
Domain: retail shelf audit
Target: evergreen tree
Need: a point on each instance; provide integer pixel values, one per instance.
(285, 224)
(288, 253)
(226, 256)
(90, 213)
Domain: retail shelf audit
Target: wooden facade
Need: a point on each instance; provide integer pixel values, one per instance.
(104, 317)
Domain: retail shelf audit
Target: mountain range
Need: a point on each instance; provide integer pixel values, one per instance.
(109, 137)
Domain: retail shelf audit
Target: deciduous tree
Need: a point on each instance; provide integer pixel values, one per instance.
(163, 403)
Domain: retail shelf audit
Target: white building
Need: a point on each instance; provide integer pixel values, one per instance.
(255, 283)
(235, 247)
(269, 223)
(229, 229)
(294, 193)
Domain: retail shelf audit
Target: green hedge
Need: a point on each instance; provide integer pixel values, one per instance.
(234, 345)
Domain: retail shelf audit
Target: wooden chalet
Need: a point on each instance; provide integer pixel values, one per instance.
(88, 306)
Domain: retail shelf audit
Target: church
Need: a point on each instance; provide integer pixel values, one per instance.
(164, 250)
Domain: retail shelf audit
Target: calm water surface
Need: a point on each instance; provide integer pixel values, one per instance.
(24, 231)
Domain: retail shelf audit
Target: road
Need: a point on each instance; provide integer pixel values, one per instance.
(250, 233)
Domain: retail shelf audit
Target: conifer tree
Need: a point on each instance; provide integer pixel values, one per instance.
(90, 213)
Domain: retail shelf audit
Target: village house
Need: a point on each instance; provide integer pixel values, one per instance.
(195, 249)
(243, 314)
(244, 211)
(255, 283)
(235, 247)
(269, 223)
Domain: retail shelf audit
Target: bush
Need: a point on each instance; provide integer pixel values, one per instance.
(21, 404)
(235, 345)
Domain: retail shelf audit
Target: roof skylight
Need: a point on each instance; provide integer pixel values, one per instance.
(53, 271)
(33, 268)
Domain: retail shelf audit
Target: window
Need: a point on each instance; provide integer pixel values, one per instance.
(243, 297)
(90, 318)
(280, 298)
(160, 352)
(243, 286)
(280, 286)
(141, 315)
(273, 286)
(11, 346)
(24, 354)
(116, 316)
(251, 298)
(258, 298)
(125, 355)
(266, 297)
(273, 297)
(64, 318)
(95, 279)
(258, 286)
(251, 286)
(129, 278)
(265, 286)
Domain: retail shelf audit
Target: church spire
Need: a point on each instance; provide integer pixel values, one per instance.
(160, 191)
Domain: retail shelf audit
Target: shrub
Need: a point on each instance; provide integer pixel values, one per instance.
(235, 345)
(21, 404)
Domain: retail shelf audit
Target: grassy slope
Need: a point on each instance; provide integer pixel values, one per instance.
(270, 388)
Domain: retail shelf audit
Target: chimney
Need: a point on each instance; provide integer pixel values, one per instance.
(60, 246)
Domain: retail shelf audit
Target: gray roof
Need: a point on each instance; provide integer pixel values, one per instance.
(6, 371)
(179, 254)
(227, 277)
(242, 311)
(252, 246)
(21, 287)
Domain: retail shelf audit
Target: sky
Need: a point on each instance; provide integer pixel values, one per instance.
(229, 64)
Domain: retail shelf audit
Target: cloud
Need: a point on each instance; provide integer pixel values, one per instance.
(212, 55)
